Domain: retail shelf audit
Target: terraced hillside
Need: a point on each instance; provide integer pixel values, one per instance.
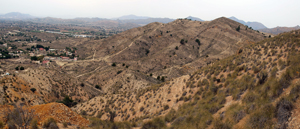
(157, 52)
(258, 87)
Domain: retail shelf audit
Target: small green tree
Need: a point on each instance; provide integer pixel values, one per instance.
(114, 64)
(112, 116)
(176, 47)
(34, 58)
(21, 68)
(238, 28)
(182, 41)
(163, 78)
(198, 41)
(33, 90)
(98, 87)
(68, 101)
(158, 78)
(17, 68)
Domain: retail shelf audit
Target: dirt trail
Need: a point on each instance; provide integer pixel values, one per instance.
(106, 58)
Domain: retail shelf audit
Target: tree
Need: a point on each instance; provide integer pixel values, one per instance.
(114, 64)
(182, 41)
(147, 51)
(17, 68)
(47, 48)
(39, 46)
(33, 90)
(163, 78)
(20, 116)
(21, 68)
(34, 58)
(158, 78)
(198, 41)
(68, 101)
(82, 85)
(176, 47)
(112, 116)
(238, 28)
(98, 87)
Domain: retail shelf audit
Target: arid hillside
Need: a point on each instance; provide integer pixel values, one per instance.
(35, 86)
(258, 87)
(135, 58)
(42, 116)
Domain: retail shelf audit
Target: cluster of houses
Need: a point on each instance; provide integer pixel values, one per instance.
(67, 33)
(48, 59)
(13, 54)
(13, 33)
(61, 58)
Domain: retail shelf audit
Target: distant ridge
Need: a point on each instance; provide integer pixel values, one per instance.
(127, 17)
(254, 25)
(278, 30)
(194, 18)
(16, 16)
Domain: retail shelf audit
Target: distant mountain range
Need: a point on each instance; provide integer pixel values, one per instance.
(127, 17)
(142, 20)
(16, 16)
(194, 18)
(278, 30)
(254, 25)
(133, 20)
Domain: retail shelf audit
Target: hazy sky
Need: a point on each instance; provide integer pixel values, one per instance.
(271, 13)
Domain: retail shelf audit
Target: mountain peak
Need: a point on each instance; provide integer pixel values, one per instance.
(254, 25)
(16, 16)
(131, 16)
(194, 18)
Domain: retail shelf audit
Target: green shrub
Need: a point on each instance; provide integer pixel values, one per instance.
(218, 124)
(65, 124)
(170, 116)
(33, 90)
(166, 107)
(198, 41)
(68, 101)
(34, 124)
(1, 124)
(182, 41)
(283, 112)
(262, 118)
(163, 79)
(255, 69)
(238, 28)
(235, 113)
(156, 123)
(48, 122)
(98, 87)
